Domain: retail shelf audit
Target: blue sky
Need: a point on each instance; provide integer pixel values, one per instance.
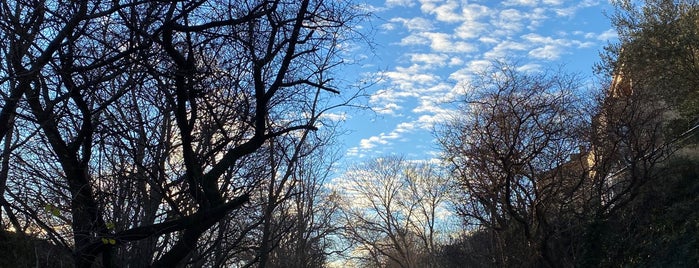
(427, 49)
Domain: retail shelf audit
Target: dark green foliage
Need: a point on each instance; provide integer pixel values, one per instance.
(483, 248)
(473, 250)
(641, 208)
(659, 229)
(19, 251)
(659, 53)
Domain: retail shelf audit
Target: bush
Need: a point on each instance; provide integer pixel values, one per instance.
(19, 250)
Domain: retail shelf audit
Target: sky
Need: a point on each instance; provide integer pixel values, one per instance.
(426, 50)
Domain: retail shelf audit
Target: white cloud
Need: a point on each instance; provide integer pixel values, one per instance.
(414, 24)
(509, 21)
(504, 49)
(530, 68)
(438, 42)
(405, 82)
(553, 2)
(335, 116)
(445, 12)
(470, 29)
(394, 3)
(610, 34)
(530, 3)
(390, 108)
(478, 66)
(428, 121)
(386, 138)
(430, 106)
(414, 40)
(388, 26)
(547, 52)
(536, 38)
(566, 12)
(588, 35)
(488, 40)
(455, 61)
(570, 11)
(429, 60)
(372, 142)
(405, 127)
(369, 8)
(424, 122)
(387, 94)
(579, 44)
(461, 76)
(588, 3)
(406, 78)
(474, 11)
(536, 17)
(549, 48)
(442, 42)
(355, 152)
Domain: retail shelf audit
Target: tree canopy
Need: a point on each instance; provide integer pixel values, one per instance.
(197, 134)
(136, 131)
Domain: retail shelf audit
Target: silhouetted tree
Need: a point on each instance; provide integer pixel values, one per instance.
(392, 210)
(508, 147)
(131, 129)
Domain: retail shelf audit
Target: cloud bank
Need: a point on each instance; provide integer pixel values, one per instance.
(435, 46)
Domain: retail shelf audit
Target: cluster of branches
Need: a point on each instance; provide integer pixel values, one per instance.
(545, 173)
(537, 161)
(157, 132)
(394, 212)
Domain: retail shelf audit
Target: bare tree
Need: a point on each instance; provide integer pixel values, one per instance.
(650, 106)
(306, 217)
(138, 118)
(508, 145)
(536, 166)
(647, 117)
(392, 211)
(658, 53)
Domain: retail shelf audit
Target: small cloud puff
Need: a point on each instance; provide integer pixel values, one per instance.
(395, 3)
(414, 24)
(438, 42)
(444, 13)
(430, 60)
(607, 35)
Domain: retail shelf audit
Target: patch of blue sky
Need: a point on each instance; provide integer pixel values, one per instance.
(426, 50)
